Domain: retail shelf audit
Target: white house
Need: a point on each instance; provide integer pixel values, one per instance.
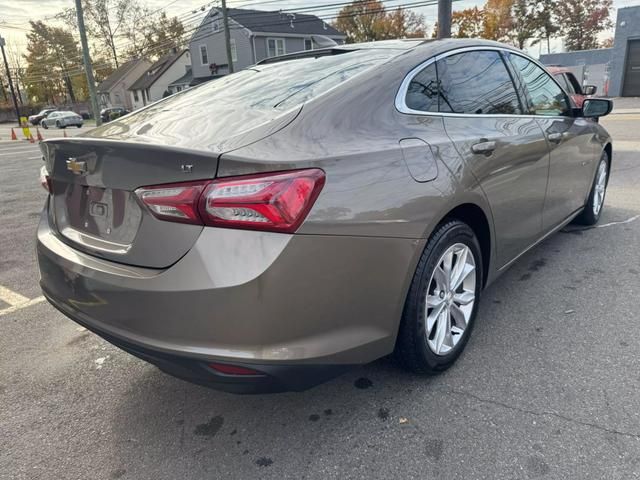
(154, 84)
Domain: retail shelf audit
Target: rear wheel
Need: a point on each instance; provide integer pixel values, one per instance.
(58, 124)
(44, 125)
(443, 300)
(592, 210)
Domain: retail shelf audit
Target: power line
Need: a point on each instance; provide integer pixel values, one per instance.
(183, 38)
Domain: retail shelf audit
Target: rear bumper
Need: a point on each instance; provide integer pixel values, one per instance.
(272, 378)
(299, 308)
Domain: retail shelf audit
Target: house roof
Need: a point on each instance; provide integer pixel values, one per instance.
(118, 74)
(155, 71)
(281, 22)
(185, 79)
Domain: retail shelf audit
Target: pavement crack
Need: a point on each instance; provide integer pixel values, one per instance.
(604, 225)
(546, 413)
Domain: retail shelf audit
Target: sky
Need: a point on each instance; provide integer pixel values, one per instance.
(15, 14)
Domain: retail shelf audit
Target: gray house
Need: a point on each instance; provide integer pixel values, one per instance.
(112, 91)
(255, 35)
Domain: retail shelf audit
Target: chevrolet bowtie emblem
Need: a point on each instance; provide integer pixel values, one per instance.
(76, 167)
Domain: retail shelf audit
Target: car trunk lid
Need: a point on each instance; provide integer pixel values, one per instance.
(95, 209)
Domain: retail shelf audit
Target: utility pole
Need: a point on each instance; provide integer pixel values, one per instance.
(88, 68)
(13, 93)
(227, 34)
(444, 18)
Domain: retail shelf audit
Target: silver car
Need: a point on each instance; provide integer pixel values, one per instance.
(332, 207)
(62, 119)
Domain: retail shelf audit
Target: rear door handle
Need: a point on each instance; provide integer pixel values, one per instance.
(484, 147)
(555, 137)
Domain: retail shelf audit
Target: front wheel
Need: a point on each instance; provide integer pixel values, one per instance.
(592, 210)
(442, 303)
(44, 125)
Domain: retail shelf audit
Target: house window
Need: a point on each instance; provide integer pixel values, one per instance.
(234, 52)
(275, 47)
(215, 26)
(135, 95)
(308, 44)
(204, 57)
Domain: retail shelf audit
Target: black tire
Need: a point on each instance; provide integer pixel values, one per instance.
(588, 216)
(44, 125)
(79, 126)
(58, 124)
(412, 350)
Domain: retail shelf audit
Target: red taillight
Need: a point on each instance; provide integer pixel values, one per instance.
(273, 202)
(177, 202)
(233, 369)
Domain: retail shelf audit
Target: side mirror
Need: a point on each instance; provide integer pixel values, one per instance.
(596, 107)
(589, 90)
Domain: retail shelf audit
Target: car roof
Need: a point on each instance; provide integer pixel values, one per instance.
(423, 46)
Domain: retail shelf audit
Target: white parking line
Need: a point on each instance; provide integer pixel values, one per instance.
(15, 308)
(16, 301)
(11, 297)
(34, 149)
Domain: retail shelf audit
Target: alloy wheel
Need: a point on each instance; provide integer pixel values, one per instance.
(600, 187)
(451, 295)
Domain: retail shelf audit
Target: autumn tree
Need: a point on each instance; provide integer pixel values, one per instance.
(468, 23)
(368, 20)
(582, 20)
(607, 43)
(498, 20)
(152, 36)
(403, 23)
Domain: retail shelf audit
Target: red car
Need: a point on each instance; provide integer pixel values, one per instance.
(568, 81)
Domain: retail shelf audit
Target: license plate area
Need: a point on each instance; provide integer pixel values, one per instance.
(98, 218)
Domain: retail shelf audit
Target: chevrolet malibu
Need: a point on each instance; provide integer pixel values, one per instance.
(268, 230)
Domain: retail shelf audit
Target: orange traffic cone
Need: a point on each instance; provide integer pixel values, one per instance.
(13, 135)
(65, 133)
(31, 140)
(39, 134)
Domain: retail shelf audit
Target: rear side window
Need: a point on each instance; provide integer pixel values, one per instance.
(424, 90)
(545, 96)
(476, 83)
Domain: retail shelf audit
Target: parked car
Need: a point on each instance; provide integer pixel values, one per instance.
(107, 114)
(570, 83)
(62, 119)
(278, 246)
(37, 118)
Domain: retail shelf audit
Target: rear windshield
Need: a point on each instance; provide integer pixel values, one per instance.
(282, 85)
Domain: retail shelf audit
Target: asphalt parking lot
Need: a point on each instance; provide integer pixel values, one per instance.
(549, 386)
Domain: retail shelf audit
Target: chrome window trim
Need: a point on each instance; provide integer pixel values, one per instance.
(401, 96)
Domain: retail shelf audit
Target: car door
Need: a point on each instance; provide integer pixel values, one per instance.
(506, 151)
(50, 118)
(572, 149)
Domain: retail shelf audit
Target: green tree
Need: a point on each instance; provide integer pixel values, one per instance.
(525, 22)
(53, 64)
(547, 22)
(582, 21)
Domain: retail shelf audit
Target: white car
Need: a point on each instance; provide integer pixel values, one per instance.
(62, 119)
